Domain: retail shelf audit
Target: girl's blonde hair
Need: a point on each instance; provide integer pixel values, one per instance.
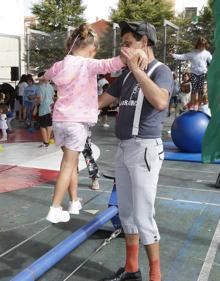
(81, 37)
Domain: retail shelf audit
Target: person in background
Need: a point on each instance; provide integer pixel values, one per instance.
(185, 93)
(199, 58)
(91, 164)
(175, 94)
(30, 93)
(45, 94)
(3, 122)
(9, 91)
(104, 111)
(21, 87)
(102, 85)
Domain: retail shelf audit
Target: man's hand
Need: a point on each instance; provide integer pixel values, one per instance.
(134, 58)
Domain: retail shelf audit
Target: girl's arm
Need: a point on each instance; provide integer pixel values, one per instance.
(114, 64)
(104, 66)
(50, 73)
(186, 56)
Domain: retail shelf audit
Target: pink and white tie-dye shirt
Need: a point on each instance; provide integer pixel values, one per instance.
(76, 81)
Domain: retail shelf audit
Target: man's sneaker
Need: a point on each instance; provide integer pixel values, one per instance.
(122, 275)
(105, 125)
(56, 215)
(44, 145)
(95, 184)
(74, 207)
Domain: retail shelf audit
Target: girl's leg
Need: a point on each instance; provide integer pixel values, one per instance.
(72, 189)
(4, 135)
(74, 204)
(201, 88)
(68, 166)
(196, 101)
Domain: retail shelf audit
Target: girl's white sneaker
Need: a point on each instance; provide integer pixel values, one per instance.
(75, 207)
(56, 214)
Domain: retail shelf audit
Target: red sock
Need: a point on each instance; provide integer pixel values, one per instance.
(155, 274)
(132, 258)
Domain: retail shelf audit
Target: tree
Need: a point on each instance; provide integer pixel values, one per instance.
(54, 17)
(153, 11)
(189, 32)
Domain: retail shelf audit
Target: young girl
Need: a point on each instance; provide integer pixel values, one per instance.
(29, 97)
(199, 59)
(3, 122)
(185, 93)
(75, 110)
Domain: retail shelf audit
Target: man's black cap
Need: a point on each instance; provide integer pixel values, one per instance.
(140, 28)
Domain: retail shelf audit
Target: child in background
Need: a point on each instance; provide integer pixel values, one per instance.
(29, 99)
(185, 93)
(75, 110)
(21, 87)
(3, 122)
(175, 94)
(10, 117)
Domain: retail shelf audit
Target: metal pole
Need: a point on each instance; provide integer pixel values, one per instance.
(165, 23)
(44, 263)
(28, 49)
(19, 57)
(165, 44)
(115, 26)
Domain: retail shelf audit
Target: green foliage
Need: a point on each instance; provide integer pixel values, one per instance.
(57, 15)
(106, 44)
(53, 17)
(154, 11)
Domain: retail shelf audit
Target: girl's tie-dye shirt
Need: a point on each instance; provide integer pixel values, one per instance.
(76, 81)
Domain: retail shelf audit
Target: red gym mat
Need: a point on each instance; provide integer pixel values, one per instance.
(5, 167)
(16, 178)
(24, 135)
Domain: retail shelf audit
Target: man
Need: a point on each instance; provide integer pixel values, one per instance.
(143, 103)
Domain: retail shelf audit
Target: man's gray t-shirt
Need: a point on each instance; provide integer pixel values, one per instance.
(151, 119)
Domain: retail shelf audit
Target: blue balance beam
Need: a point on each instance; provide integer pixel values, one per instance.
(48, 260)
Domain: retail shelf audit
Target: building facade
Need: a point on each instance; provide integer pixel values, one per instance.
(188, 8)
(11, 38)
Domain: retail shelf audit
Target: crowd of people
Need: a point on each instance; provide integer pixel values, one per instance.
(143, 92)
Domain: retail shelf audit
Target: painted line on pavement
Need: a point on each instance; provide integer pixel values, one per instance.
(210, 257)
